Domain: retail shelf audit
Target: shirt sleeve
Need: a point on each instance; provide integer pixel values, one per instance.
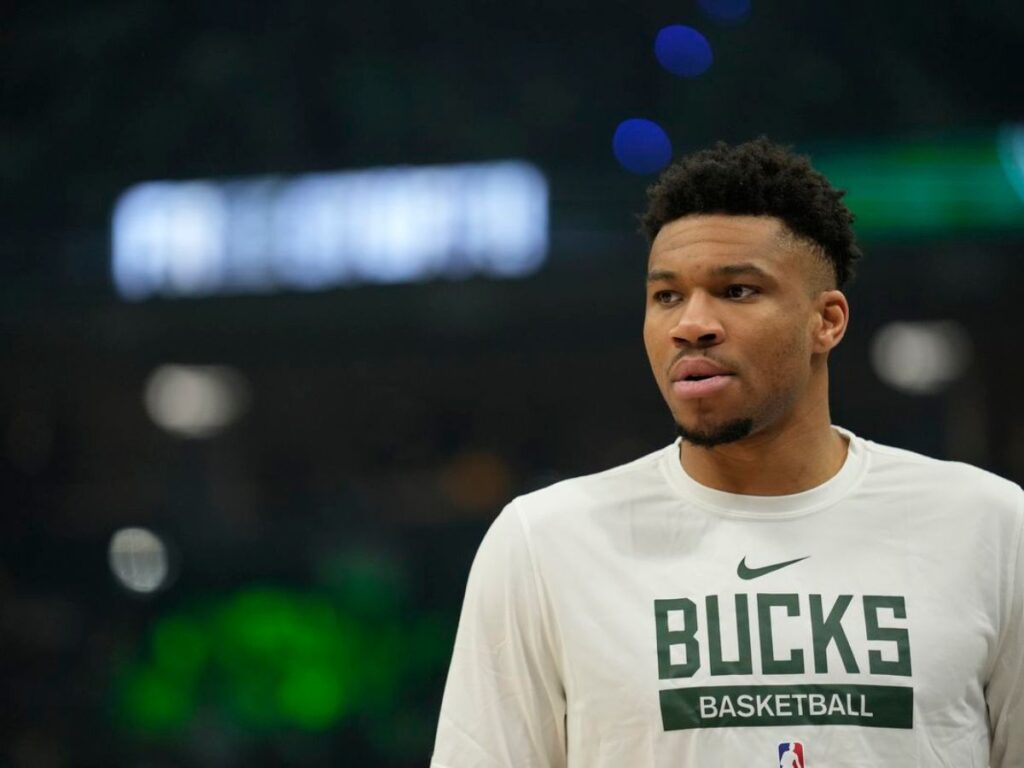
(1005, 690)
(504, 701)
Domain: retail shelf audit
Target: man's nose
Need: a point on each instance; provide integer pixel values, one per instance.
(697, 325)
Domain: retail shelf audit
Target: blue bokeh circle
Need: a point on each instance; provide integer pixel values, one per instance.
(683, 50)
(641, 146)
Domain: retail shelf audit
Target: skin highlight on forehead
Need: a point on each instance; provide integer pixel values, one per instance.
(717, 230)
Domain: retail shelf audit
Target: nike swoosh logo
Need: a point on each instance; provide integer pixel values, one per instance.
(744, 572)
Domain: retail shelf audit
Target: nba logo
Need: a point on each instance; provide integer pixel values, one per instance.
(791, 755)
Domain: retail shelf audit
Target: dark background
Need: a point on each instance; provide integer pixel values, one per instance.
(320, 544)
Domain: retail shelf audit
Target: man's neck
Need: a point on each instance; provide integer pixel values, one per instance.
(791, 460)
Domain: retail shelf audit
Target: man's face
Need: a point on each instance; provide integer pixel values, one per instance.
(732, 311)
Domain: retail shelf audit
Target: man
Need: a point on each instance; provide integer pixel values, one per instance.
(770, 589)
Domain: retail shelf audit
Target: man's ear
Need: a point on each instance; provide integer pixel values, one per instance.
(832, 314)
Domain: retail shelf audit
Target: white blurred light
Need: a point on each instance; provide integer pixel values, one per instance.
(195, 401)
(920, 358)
(138, 559)
(387, 225)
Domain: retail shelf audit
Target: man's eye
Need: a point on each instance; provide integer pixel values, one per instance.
(739, 292)
(665, 297)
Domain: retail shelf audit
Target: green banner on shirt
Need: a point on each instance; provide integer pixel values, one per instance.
(739, 706)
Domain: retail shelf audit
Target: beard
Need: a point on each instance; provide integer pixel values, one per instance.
(729, 432)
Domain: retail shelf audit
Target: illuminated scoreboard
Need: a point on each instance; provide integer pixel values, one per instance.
(317, 231)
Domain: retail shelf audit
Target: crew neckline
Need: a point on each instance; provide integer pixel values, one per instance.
(769, 507)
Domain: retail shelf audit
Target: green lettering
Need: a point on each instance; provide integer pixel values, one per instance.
(719, 666)
(667, 638)
(898, 635)
(794, 665)
(828, 630)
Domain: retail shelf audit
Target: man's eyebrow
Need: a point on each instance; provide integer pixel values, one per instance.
(660, 274)
(746, 268)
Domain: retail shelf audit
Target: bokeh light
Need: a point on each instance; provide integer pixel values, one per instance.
(195, 401)
(321, 230)
(641, 146)
(476, 481)
(920, 358)
(683, 50)
(139, 559)
(268, 657)
(726, 10)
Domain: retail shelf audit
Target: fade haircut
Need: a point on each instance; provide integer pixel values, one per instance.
(757, 178)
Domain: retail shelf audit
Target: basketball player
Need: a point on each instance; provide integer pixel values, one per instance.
(769, 587)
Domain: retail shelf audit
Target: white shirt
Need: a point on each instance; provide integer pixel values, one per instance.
(637, 618)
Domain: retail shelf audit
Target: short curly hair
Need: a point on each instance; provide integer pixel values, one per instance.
(757, 178)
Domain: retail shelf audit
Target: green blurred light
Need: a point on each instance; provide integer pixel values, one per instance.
(937, 187)
(256, 623)
(155, 702)
(368, 585)
(180, 646)
(250, 700)
(269, 658)
(311, 697)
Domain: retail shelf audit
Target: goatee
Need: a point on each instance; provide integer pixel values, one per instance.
(729, 432)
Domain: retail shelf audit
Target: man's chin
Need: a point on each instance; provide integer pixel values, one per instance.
(720, 434)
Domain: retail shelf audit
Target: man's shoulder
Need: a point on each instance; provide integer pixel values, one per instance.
(909, 468)
(639, 477)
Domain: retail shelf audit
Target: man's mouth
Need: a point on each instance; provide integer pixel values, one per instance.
(697, 368)
(699, 385)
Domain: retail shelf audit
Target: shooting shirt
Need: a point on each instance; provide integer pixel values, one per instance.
(636, 618)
